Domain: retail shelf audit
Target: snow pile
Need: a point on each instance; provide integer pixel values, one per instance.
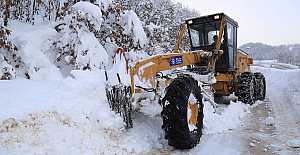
(69, 116)
(62, 96)
(57, 117)
(228, 119)
(149, 108)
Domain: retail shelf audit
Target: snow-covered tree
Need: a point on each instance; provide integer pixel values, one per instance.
(11, 64)
(88, 37)
(76, 45)
(161, 19)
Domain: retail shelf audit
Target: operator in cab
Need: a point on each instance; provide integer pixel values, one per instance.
(213, 44)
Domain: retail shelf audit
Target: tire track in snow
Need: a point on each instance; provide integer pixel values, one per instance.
(282, 89)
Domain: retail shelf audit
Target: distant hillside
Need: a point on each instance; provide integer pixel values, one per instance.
(283, 53)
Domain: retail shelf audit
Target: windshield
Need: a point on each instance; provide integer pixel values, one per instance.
(204, 34)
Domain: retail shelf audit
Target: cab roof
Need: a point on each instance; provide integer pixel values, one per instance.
(211, 18)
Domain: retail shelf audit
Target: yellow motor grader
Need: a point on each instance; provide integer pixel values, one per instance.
(180, 79)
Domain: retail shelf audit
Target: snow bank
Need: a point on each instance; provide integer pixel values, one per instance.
(68, 116)
(77, 98)
(229, 119)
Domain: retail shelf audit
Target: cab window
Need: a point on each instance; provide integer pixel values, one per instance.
(211, 35)
(195, 36)
(230, 32)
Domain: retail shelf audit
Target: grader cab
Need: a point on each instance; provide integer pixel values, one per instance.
(233, 65)
(181, 80)
(204, 30)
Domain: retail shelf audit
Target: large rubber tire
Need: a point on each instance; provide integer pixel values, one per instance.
(260, 86)
(174, 114)
(246, 92)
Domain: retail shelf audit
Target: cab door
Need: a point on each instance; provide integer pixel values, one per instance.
(232, 45)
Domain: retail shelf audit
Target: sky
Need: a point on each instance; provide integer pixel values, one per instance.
(272, 22)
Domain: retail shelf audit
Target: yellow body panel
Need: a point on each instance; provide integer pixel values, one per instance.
(223, 86)
(243, 62)
(149, 67)
(225, 81)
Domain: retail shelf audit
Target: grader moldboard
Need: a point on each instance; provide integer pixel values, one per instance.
(213, 66)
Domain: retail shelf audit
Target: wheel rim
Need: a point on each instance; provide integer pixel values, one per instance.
(192, 113)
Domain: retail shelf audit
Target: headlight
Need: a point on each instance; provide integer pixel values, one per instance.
(216, 17)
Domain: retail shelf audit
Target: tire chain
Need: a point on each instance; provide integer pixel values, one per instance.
(260, 86)
(246, 80)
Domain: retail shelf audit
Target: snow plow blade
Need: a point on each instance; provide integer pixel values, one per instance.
(118, 97)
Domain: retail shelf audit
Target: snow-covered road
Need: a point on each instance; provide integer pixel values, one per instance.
(284, 101)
